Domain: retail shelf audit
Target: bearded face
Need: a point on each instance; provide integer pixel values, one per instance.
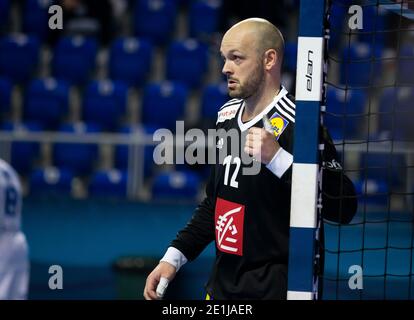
(246, 80)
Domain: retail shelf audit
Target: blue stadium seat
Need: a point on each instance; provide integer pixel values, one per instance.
(374, 25)
(183, 185)
(4, 13)
(47, 102)
(74, 58)
(6, 88)
(290, 56)
(371, 192)
(213, 97)
(35, 17)
(78, 157)
(23, 154)
(388, 167)
(337, 18)
(121, 151)
(406, 65)
(105, 102)
(51, 181)
(358, 67)
(163, 104)
(130, 60)
(345, 113)
(155, 19)
(187, 61)
(109, 183)
(396, 112)
(19, 57)
(204, 18)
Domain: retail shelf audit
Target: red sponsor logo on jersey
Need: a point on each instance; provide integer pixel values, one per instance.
(229, 219)
(227, 113)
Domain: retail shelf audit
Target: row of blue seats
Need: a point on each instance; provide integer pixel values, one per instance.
(81, 158)
(152, 19)
(114, 183)
(362, 64)
(168, 185)
(375, 19)
(155, 19)
(178, 184)
(349, 112)
(104, 103)
(130, 59)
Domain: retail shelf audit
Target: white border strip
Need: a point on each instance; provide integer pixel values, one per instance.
(299, 295)
(304, 195)
(309, 69)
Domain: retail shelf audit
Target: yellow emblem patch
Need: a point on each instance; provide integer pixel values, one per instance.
(278, 123)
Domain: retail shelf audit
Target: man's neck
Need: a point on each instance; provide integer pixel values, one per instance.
(257, 103)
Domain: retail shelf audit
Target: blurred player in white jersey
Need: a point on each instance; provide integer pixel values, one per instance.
(14, 260)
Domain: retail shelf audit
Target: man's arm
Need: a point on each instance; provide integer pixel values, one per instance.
(188, 244)
(199, 231)
(339, 202)
(338, 197)
(281, 163)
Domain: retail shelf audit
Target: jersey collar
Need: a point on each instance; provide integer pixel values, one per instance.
(245, 126)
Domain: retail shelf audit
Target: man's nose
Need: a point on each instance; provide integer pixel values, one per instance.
(226, 69)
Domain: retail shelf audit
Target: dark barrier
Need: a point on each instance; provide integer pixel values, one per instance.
(131, 273)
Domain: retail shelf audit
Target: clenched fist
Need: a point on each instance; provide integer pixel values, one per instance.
(261, 144)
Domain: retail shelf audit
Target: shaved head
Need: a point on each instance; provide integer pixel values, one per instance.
(264, 35)
(252, 51)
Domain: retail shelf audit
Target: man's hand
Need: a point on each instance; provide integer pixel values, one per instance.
(163, 270)
(261, 144)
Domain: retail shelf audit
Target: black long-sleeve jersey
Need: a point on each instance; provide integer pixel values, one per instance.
(248, 215)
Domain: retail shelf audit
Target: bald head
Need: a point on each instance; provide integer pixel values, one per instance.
(261, 34)
(252, 52)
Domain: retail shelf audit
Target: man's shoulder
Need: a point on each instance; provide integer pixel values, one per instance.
(7, 169)
(290, 97)
(285, 108)
(230, 103)
(229, 110)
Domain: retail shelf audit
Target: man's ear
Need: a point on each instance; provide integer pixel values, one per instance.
(271, 58)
